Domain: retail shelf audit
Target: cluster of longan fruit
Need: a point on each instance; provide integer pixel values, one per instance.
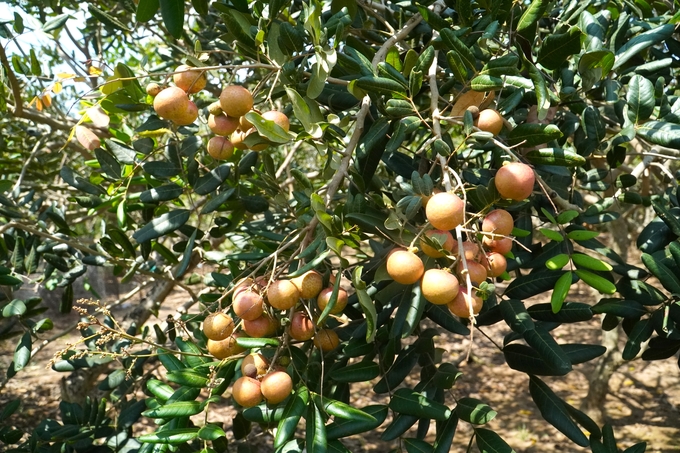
(173, 103)
(259, 307)
(445, 211)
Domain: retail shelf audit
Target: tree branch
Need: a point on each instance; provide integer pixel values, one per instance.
(14, 83)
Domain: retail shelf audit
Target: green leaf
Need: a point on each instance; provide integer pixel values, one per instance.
(581, 353)
(161, 169)
(554, 411)
(160, 226)
(170, 436)
(557, 262)
(188, 377)
(340, 409)
(548, 349)
(551, 234)
(161, 193)
(640, 333)
(56, 23)
(526, 359)
(667, 278)
(595, 281)
(106, 18)
(490, 442)
(22, 353)
(445, 433)
(446, 376)
(345, 428)
(267, 128)
(486, 82)
(589, 262)
(620, 307)
(169, 361)
(637, 448)
(516, 316)
(642, 41)
(640, 99)
(366, 304)
(560, 292)
(474, 411)
(159, 389)
(379, 85)
(172, 12)
(660, 133)
(532, 284)
(555, 156)
(417, 446)
(211, 432)
(570, 312)
(409, 402)
(667, 217)
(540, 86)
(212, 180)
(14, 308)
(177, 409)
(9, 409)
(463, 52)
(457, 65)
(146, 10)
(357, 372)
(594, 66)
(582, 235)
(256, 343)
(316, 430)
(291, 416)
(533, 134)
(556, 48)
(528, 22)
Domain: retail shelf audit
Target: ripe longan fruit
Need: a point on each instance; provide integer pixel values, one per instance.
(222, 124)
(502, 245)
(326, 340)
(188, 116)
(225, 348)
(443, 237)
(283, 294)
(404, 266)
(477, 272)
(237, 139)
(264, 326)
(276, 386)
(301, 328)
(191, 80)
(220, 148)
(255, 363)
(248, 304)
(325, 297)
(490, 120)
(244, 124)
(460, 305)
(171, 103)
(515, 181)
(497, 264)
(152, 89)
(445, 211)
(439, 286)
(218, 326)
(246, 391)
(279, 118)
(309, 284)
(236, 101)
(498, 221)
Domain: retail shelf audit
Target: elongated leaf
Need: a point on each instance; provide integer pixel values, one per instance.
(528, 22)
(640, 99)
(267, 128)
(641, 332)
(170, 436)
(406, 401)
(445, 433)
(556, 48)
(667, 278)
(402, 366)
(56, 23)
(22, 353)
(161, 193)
(172, 12)
(417, 446)
(570, 312)
(555, 156)
(668, 217)
(344, 428)
(641, 42)
(188, 377)
(560, 292)
(162, 225)
(554, 412)
(291, 416)
(159, 389)
(532, 134)
(599, 283)
(541, 340)
(516, 316)
(211, 181)
(490, 442)
(178, 409)
(358, 372)
(532, 284)
(590, 263)
(474, 411)
(660, 133)
(580, 353)
(340, 409)
(526, 359)
(106, 19)
(211, 432)
(316, 430)
(463, 52)
(620, 307)
(146, 9)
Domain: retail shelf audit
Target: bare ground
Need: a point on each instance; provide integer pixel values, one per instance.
(644, 404)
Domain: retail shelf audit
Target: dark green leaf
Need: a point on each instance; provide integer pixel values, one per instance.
(409, 402)
(172, 12)
(344, 428)
(641, 42)
(22, 353)
(620, 307)
(474, 411)
(161, 193)
(640, 99)
(570, 312)
(516, 315)
(170, 436)
(554, 412)
(532, 284)
(146, 9)
(162, 225)
(640, 333)
(548, 349)
(211, 181)
(556, 48)
(358, 372)
(580, 353)
(667, 278)
(177, 409)
(14, 308)
(316, 430)
(291, 416)
(490, 442)
(660, 133)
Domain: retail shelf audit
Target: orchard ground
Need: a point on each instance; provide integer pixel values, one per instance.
(644, 403)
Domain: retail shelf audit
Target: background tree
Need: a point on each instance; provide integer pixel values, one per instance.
(388, 108)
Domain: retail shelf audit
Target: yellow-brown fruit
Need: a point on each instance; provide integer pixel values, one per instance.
(246, 391)
(218, 326)
(153, 89)
(405, 267)
(502, 245)
(245, 283)
(325, 297)
(515, 181)
(490, 120)
(301, 327)
(257, 361)
(498, 221)
(276, 386)
(264, 326)
(237, 140)
(445, 238)
(248, 305)
(445, 211)
(215, 108)
(309, 284)
(477, 272)
(439, 286)
(236, 101)
(188, 117)
(278, 118)
(497, 264)
(472, 251)
(222, 124)
(220, 148)
(244, 124)
(283, 294)
(171, 103)
(460, 306)
(191, 80)
(225, 348)
(326, 340)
